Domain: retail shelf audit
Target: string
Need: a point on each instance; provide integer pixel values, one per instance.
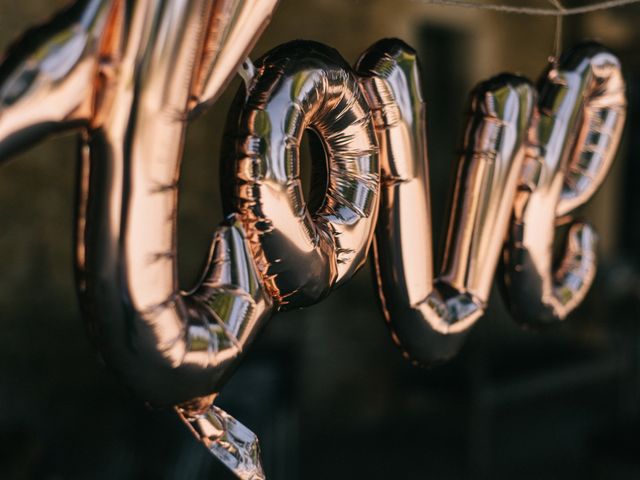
(556, 12)
(557, 43)
(559, 11)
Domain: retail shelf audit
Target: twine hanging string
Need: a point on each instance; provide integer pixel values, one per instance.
(558, 11)
(553, 12)
(557, 43)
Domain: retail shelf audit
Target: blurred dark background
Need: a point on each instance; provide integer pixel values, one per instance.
(325, 388)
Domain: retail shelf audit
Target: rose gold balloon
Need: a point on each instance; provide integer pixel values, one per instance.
(428, 316)
(302, 253)
(575, 136)
(130, 73)
(47, 77)
(170, 346)
(234, 28)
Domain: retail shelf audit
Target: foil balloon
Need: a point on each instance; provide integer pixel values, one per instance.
(51, 77)
(574, 138)
(128, 74)
(126, 235)
(430, 315)
(234, 28)
(303, 253)
(47, 77)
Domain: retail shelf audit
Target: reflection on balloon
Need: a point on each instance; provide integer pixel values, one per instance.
(234, 27)
(47, 77)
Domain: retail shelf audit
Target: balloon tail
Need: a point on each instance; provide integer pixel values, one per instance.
(247, 71)
(229, 441)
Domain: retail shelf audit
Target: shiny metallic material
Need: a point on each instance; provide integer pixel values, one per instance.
(231, 442)
(304, 252)
(575, 136)
(234, 28)
(430, 317)
(130, 74)
(51, 78)
(47, 80)
(170, 346)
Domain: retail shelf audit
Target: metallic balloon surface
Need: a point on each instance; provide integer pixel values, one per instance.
(228, 439)
(234, 27)
(575, 136)
(52, 77)
(429, 316)
(169, 346)
(47, 79)
(302, 253)
(129, 74)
